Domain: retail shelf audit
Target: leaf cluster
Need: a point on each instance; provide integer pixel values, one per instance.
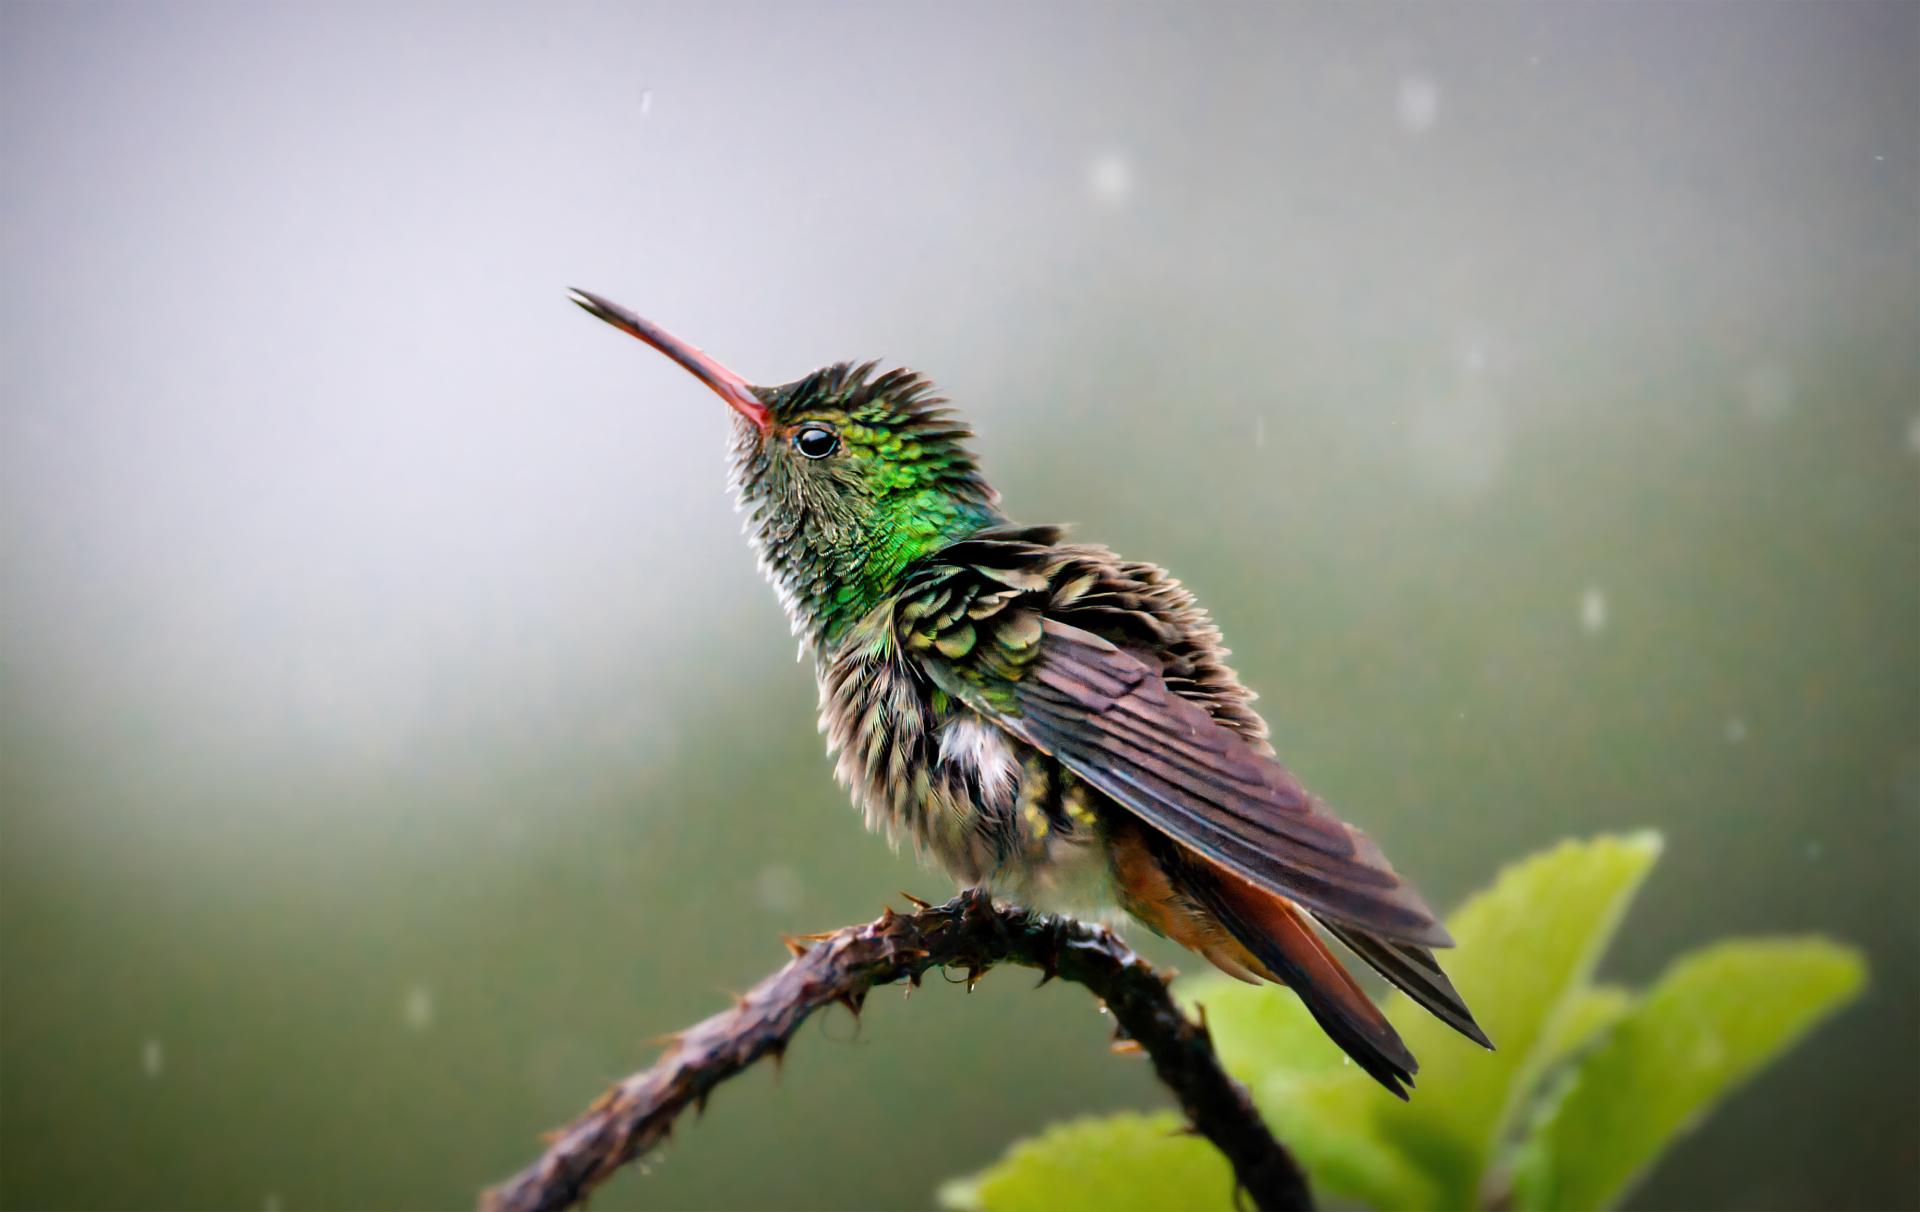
(1590, 1085)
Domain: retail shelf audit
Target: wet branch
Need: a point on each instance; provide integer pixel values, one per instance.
(968, 933)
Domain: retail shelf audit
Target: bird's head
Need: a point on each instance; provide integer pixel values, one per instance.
(846, 476)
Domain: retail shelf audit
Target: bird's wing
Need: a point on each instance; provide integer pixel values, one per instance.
(992, 628)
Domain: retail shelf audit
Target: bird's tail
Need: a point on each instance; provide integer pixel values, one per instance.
(1250, 933)
(1283, 945)
(1415, 972)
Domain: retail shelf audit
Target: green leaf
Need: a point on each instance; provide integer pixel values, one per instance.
(1120, 1163)
(1715, 1018)
(1331, 1123)
(1527, 947)
(1592, 1012)
(1309, 1092)
(1260, 1031)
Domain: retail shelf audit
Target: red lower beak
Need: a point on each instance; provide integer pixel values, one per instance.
(736, 391)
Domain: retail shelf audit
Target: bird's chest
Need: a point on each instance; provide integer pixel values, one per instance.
(986, 807)
(919, 767)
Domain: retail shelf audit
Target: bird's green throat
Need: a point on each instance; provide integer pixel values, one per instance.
(836, 533)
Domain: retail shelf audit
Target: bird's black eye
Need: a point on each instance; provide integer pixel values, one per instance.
(816, 441)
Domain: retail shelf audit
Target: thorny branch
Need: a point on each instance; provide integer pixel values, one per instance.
(969, 933)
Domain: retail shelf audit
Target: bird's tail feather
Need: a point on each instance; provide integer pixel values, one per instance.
(1415, 972)
(1279, 935)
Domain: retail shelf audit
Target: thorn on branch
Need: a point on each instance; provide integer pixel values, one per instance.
(969, 933)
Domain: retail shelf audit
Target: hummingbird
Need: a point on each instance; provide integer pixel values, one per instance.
(1043, 719)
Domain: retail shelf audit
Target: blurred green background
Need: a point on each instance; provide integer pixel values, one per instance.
(396, 734)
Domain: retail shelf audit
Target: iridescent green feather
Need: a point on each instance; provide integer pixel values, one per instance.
(839, 537)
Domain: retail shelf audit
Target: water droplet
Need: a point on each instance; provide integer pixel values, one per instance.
(1736, 730)
(646, 102)
(1418, 104)
(1814, 850)
(271, 1203)
(1110, 178)
(1593, 610)
(153, 1058)
(1913, 435)
(418, 1010)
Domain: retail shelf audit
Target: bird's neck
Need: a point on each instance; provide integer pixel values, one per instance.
(826, 586)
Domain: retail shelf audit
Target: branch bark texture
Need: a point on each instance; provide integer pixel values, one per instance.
(969, 933)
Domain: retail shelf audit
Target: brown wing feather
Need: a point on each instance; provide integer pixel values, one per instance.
(1113, 720)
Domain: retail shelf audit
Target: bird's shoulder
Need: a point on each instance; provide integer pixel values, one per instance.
(979, 607)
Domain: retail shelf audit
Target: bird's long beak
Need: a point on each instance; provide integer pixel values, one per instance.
(736, 391)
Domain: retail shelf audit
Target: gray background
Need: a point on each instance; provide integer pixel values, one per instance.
(396, 734)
